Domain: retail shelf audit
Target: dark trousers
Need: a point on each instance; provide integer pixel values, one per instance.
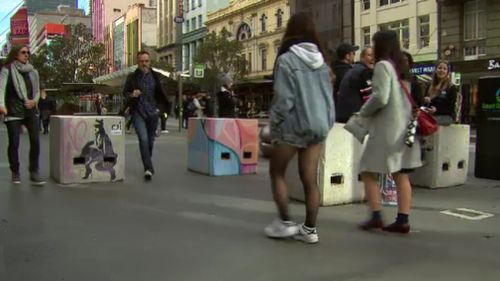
(44, 124)
(14, 129)
(185, 121)
(163, 121)
(145, 128)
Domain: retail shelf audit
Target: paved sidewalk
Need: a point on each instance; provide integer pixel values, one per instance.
(185, 226)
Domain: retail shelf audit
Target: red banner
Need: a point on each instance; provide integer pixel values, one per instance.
(19, 27)
(180, 7)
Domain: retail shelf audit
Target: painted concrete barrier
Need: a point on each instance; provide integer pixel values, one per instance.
(87, 149)
(221, 146)
(339, 181)
(446, 158)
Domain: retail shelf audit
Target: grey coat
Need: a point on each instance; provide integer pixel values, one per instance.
(389, 113)
(302, 111)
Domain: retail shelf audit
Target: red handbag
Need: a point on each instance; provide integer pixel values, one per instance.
(426, 123)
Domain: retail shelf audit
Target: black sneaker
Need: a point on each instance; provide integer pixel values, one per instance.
(16, 178)
(148, 175)
(36, 180)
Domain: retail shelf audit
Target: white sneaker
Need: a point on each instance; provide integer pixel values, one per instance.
(148, 175)
(307, 235)
(281, 229)
(165, 132)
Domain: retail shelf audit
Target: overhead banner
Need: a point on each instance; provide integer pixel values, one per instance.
(19, 27)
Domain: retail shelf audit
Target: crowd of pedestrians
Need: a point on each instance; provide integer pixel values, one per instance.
(373, 91)
(310, 94)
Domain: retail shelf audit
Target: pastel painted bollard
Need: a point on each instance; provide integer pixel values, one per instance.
(87, 149)
(221, 147)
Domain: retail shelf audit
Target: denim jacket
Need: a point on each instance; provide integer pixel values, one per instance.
(302, 111)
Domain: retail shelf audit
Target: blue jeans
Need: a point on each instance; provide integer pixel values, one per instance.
(145, 129)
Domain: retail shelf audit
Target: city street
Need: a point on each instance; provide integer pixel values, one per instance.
(186, 226)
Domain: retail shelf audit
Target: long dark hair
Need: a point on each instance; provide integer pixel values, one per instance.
(301, 29)
(14, 51)
(387, 47)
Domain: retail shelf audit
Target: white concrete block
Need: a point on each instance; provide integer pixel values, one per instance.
(338, 170)
(446, 158)
(87, 149)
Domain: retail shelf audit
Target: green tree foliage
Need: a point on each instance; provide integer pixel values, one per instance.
(221, 55)
(73, 58)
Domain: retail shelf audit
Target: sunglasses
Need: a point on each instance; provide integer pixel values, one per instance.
(25, 52)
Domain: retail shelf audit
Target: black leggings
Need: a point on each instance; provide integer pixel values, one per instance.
(14, 129)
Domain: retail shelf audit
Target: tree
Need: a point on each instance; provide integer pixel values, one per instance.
(72, 58)
(221, 56)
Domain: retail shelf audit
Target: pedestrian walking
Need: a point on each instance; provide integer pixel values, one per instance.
(144, 95)
(19, 95)
(46, 107)
(198, 111)
(441, 96)
(389, 114)
(302, 114)
(356, 87)
(99, 105)
(226, 99)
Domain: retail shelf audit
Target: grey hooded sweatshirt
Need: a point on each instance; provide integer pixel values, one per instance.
(302, 110)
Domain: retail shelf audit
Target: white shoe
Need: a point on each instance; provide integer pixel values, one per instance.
(148, 175)
(307, 235)
(165, 132)
(281, 229)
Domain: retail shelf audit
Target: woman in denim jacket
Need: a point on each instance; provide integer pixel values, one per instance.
(302, 114)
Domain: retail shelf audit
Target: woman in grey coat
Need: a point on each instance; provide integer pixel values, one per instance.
(389, 113)
(302, 114)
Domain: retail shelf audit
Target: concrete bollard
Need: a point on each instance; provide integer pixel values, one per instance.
(339, 181)
(87, 149)
(446, 158)
(221, 146)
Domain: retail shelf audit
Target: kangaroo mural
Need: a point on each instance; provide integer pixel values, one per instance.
(99, 151)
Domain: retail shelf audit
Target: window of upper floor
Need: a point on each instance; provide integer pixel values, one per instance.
(263, 23)
(279, 18)
(383, 3)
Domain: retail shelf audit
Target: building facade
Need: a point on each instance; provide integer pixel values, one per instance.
(140, 29)
(194, 28)
(134, 31)
(415, 21)
(40, 32)
(168, 32)
(119, 55)
(259, 25)
(470, 38)
(470, 41)
(35, 6)
(333, 18)
(105, 12)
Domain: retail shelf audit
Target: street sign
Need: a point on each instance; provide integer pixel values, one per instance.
(199, 71)
(179, 19)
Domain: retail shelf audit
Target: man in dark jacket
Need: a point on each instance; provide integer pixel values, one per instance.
(355, 87)
(345, 59)
(145, 97)
(226, 99)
